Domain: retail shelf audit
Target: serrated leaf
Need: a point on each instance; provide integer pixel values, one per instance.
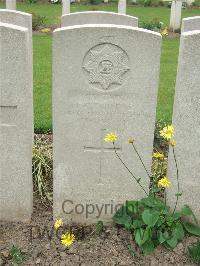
(192, 228)
(150, 217)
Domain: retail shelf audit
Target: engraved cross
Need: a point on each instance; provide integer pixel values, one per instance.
(101, 150)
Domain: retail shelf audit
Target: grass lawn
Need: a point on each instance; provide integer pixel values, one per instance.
(53, 12)
(43, 54)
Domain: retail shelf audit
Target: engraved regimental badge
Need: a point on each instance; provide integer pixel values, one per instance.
(106, 66)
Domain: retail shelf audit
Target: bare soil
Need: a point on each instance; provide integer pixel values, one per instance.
(111, 247)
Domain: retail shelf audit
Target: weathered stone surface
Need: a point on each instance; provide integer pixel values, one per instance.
(11, 4)
(190, 23)
(105, 78)
(122, 7)
(98, 17)
(175, 16)
(16, 124)
(186, 119)
(65, 7)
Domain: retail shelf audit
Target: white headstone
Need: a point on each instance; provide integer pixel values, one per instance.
(23, 20)
(65, 7)
(16, 124)
(11, 4)
(190, 2)
(186, 119)
(19, 19)
(175, 17)
(190, 23)
(122, 7)
(98, 17)
(105, 78)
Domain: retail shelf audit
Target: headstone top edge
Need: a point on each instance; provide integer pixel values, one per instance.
(16, 12)
(14, 27)
(107, 26)
(190, 33)
(191, 18)
(98, 12)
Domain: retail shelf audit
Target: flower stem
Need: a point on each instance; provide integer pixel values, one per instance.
(177, 178)
(165, 196)
(137, 180)
(141, 160)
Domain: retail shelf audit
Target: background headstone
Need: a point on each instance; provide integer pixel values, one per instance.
(19, 19)
(190, 23)
(175, 16)
(122, 7)
(105, 78)
(11, 4)
(98, 17)
(16, 124)
(65, 7)
(186, 119)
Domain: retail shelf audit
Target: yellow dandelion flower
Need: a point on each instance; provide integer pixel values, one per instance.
(67, 239)
(164, 182)
(110, 137)
(167, 132)
(159, 156)
(58, 223)
(131, 140)
(164, 32)
(172, 143)
(45, 30)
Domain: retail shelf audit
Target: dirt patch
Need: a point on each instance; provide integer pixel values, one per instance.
(114, 246)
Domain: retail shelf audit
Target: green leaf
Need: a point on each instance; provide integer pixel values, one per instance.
(141, 236)
(122, 218)
(17, 255)
(132, 206)
(152, 201)
(187, 211)
(166, 234)
(131, 251)
(99, 227)
(194, 252)
(148, 248)
(178, 194)
(137, 224)
(178, 231)
(192, 228)
(172, 242)
(177, 215)
(161, 238)
(155, 190)
(150, 217)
